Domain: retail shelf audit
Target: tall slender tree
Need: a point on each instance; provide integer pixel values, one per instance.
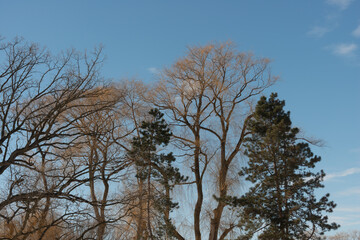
(280, 167)
(157, 170)
(207, 97)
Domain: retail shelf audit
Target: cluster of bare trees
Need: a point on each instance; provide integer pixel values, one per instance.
(352, 235)
(65, 138)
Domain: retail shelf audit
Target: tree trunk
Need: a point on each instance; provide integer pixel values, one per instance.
(200, 196)
(215, 220)
(140, 219)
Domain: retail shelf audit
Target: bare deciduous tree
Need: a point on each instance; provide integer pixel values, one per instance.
(38, 93)
(105, 138)
(207, 95)
(352, 235)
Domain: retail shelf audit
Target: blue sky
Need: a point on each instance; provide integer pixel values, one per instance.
(314, 45)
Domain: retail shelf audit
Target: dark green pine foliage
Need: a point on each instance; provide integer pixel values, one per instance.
(157, 169)
(280, 167)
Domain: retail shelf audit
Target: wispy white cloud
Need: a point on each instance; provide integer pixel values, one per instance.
(341, 4)
(153, 70)
(318, 31)
(344, 49)
(350, 192)
(355, 150)
(356, 32)
(352, 223)
(348, 209)
(338, 219)
(345, 219)
(344, 173)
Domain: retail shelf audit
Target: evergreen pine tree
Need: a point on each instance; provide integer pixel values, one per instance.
(282, 197)
(158, 171)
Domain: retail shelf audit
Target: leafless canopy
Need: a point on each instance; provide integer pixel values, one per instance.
(38, 95)
(207, 95)
(64, 139)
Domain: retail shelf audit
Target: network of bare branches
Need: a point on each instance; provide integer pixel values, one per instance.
(68, 162)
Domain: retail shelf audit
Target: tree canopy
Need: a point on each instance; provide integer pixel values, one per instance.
(280, 167)
(86, 158)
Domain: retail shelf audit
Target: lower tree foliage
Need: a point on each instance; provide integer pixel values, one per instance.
(281, 204)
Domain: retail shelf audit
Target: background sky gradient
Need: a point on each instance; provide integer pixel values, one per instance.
(314, 46)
